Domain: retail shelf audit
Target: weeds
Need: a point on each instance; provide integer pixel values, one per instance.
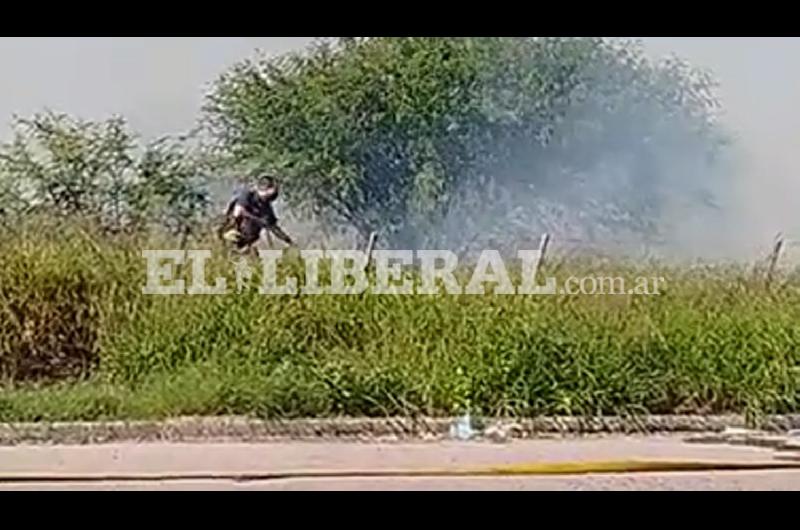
(78, 340)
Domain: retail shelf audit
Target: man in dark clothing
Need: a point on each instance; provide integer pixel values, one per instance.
(251, 212)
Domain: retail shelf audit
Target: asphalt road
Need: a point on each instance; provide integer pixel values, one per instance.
(50, 467)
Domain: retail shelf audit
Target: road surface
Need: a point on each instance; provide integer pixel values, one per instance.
(172, 465)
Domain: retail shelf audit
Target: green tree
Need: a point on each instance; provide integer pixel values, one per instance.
(442, 140)
(59, 166)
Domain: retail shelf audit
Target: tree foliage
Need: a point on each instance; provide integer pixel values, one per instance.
(433, 140)
(63, 167)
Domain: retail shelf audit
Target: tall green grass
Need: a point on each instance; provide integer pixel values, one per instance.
(78, 340)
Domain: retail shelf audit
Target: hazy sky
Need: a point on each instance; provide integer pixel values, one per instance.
(759, 85)
(158, 84)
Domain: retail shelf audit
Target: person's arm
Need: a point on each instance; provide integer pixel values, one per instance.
(280, 234)
(271, 224)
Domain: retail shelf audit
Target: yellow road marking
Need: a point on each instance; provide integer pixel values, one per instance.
(523, 469)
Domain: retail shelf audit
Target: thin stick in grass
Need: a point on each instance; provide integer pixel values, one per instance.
(544, 243)
(777, 250)
(370, 248)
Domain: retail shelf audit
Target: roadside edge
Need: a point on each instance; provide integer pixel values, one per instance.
(367, 429)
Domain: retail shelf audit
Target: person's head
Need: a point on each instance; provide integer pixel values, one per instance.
(267, 187)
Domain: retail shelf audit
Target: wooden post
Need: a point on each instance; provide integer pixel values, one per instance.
(185, 232)
(544, 243)
(370, 248)
(777, 250)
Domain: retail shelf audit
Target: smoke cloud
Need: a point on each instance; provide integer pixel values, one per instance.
(158, 84)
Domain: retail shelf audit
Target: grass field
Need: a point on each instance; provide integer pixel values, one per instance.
(78, 340)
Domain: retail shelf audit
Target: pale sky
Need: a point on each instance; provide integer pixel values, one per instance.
(759, 85)
(158, 83)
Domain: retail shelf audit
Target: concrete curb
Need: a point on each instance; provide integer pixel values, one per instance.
(786, 441)
(363, 429)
